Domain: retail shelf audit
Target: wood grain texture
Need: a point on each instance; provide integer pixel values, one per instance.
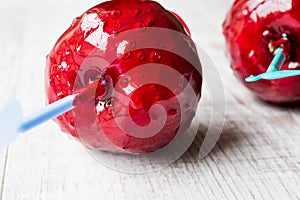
(257, 156)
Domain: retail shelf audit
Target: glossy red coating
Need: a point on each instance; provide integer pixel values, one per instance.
(98, 29)
(253, 29)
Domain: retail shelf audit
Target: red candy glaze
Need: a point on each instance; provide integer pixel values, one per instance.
(97, 32)
(252, 30)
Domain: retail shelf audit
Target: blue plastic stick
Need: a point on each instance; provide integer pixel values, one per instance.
(51, 111)
(277, 61)
(274, 71)
(13, 123)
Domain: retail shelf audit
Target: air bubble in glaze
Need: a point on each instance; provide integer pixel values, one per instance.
(124, 81)
(155, 56)
(115, 14)
(127, 55)
(141, 56)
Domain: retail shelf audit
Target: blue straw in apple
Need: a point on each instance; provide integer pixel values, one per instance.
(12, 122)
(274, 71)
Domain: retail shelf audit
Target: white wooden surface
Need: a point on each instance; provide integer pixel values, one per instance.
(257, 157)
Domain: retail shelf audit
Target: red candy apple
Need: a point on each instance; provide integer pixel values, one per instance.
(253, 30)
(118, 32)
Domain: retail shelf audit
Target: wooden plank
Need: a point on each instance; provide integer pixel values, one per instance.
(9, 65)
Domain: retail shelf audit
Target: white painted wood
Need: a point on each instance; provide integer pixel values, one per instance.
(257, 157)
